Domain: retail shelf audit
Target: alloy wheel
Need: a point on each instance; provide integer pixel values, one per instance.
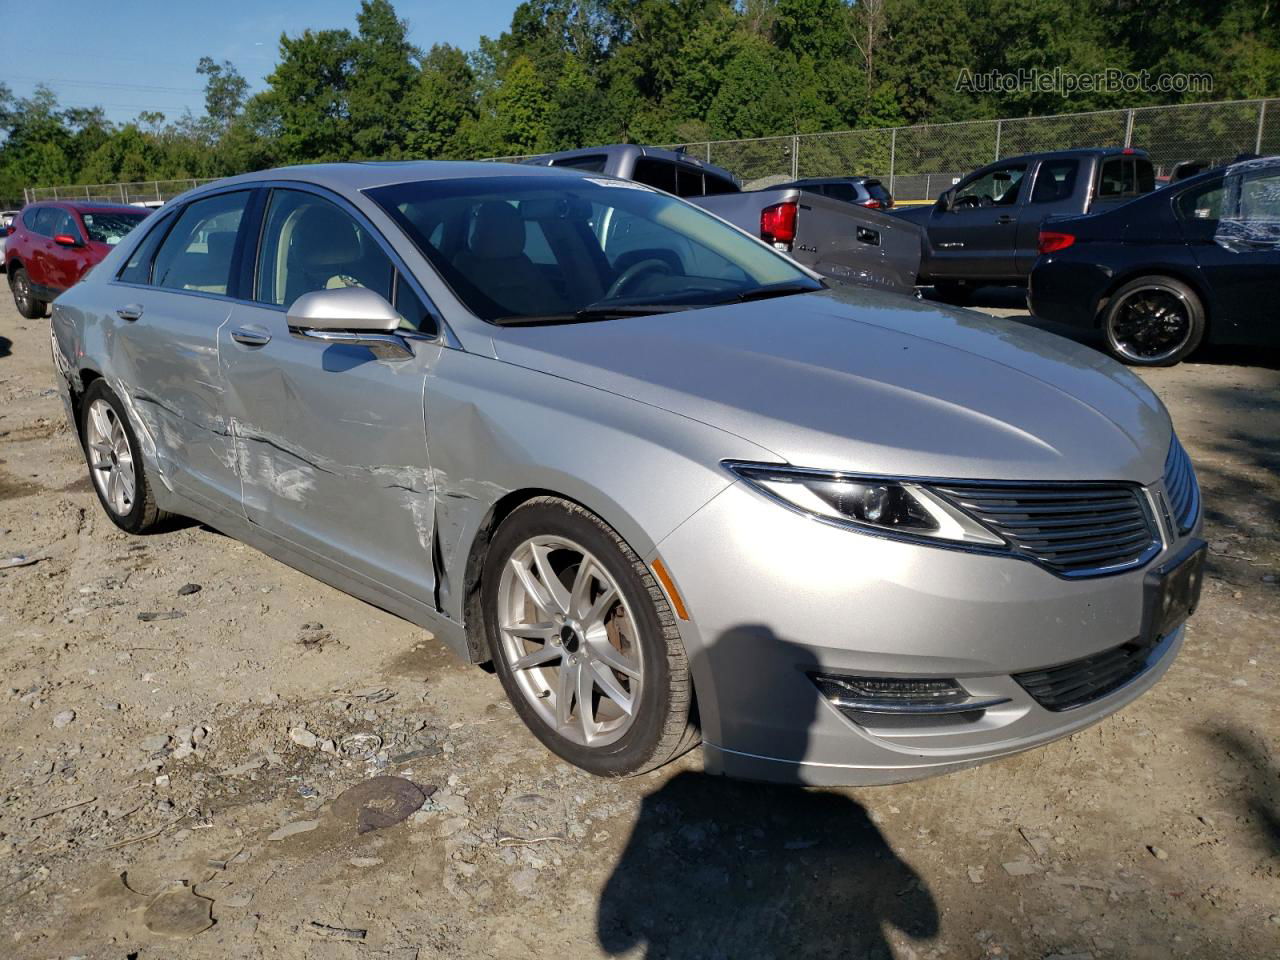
(569, 637)
(111, 458)
(1151, 325)
(22, 292)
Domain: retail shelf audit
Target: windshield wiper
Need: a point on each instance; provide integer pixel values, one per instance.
(592, 312)
(774, 290)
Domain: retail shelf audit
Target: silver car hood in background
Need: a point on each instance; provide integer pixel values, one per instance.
(873, 383)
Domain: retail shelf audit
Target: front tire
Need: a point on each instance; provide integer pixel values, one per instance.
(23, 298)
(115, 461)
(956, 292)
(1153, 322)
(584, 641)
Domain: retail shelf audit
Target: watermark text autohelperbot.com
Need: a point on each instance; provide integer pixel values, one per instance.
(1067, 83)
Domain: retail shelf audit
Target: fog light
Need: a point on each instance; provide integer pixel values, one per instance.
(927, 696)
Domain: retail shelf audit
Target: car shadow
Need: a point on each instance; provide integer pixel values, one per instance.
(720, 868)
(6, 346)
(1260, 780)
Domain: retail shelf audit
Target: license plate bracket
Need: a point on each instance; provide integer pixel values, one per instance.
(1171, 591)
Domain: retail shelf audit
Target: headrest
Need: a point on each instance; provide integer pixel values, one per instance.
(497, 232)
(324, 237)
(219, 245)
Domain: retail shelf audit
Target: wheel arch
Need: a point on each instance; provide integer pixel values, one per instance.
(478, 551)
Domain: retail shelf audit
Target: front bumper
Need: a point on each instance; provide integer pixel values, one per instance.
(774, 597)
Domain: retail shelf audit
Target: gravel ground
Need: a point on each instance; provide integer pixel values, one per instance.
(171, 783)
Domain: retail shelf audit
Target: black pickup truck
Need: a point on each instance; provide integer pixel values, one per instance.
(985, 230)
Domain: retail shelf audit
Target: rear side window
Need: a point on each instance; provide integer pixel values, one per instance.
(841, 191)
(1126, 177)
(594, 163)
(197, 253)
(716, 185)
(40, 220)
(137, 268)
(1055, 180)
(1202, 203)
(655, 173)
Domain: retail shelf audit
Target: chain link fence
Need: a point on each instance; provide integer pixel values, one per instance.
(918, 162)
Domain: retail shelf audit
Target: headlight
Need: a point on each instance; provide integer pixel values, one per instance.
(903, 508)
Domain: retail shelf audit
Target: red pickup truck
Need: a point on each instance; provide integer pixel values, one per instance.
(52, 245)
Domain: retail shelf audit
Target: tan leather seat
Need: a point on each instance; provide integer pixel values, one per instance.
(495, 262)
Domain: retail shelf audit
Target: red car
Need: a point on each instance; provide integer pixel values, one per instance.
(52, 245)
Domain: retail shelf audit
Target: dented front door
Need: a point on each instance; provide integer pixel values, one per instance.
(331, 447)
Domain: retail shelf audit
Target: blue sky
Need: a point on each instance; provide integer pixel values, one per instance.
(141, 54)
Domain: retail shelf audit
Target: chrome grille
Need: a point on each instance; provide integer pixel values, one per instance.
(1074, 529)
(1181, 487)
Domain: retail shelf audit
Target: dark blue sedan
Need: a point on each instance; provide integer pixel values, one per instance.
(1197, 261)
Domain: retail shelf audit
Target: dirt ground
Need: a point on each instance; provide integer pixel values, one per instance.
(161, 773)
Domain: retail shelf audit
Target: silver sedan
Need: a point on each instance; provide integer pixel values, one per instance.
(674, 488)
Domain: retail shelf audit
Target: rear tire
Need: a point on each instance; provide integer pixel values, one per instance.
(1153, 322)
(608, 634)
(116, 465)
(23, 298)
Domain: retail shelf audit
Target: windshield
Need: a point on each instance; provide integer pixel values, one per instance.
(555, 248)
(110, 227)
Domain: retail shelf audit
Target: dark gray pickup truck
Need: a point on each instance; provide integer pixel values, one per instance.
(985, 230)
(843, 242)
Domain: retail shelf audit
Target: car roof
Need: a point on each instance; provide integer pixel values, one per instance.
(1076, 153)
(363, 175)
(636, 150)
(815, 180)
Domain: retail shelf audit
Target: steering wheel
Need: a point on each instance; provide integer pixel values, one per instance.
(634, 271)
(966, 203)
(986, 201)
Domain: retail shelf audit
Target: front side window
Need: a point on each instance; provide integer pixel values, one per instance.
(309, 243)
(998, 188)
(197, 253)
(514, 248)
(110, 227)
(64, 225)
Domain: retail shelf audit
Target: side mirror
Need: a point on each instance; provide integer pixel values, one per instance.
(352, 316)
(66, 240)
(946, 199)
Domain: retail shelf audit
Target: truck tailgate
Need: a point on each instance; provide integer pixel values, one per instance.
(841, 241)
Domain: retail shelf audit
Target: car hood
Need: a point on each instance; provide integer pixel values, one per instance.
(873, 382)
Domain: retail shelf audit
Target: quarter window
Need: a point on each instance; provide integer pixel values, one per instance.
(197, 253)
(310, 244)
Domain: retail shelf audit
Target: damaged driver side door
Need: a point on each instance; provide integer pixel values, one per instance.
(330, 438)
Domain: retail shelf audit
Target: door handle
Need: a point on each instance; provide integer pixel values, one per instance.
(1004, 218)
(250, 337)
(130, 312)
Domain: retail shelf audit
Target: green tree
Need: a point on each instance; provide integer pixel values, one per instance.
(381, 77)
(442, 99)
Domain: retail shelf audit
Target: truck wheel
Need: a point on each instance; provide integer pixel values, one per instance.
(1153, 322)
(115, 461)
(584, 641)
(23, 298)
(952, 291)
